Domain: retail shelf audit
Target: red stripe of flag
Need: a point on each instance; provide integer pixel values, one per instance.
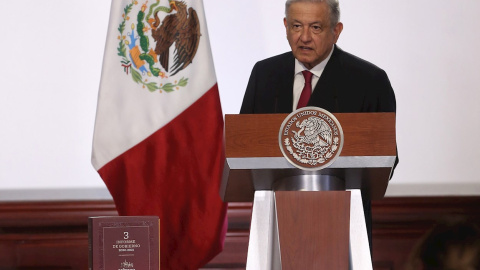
(175, 174)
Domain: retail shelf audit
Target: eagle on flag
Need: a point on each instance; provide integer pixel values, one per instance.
(181, 28)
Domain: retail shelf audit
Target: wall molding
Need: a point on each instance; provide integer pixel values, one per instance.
(53, 234)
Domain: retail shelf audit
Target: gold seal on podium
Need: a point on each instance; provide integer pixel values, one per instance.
(311, 138)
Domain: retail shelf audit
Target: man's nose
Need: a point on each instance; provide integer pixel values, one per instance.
(306, 35)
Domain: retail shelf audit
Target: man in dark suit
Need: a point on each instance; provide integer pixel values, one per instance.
(341, 82)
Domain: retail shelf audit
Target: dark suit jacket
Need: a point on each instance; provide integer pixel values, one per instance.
(348, 84)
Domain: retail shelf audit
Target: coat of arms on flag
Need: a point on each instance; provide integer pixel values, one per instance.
(145, 49)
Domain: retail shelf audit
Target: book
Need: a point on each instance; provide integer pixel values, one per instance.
(124, 243)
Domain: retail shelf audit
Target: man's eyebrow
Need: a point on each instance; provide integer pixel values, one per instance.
(315, 22)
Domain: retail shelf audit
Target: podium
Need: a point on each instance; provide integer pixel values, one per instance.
(307, 219)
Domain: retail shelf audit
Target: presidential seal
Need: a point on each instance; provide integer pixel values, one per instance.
(311, 138)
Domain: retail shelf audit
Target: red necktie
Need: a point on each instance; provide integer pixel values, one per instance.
(307, 90)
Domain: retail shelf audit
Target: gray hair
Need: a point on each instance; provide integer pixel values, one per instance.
(332, 4)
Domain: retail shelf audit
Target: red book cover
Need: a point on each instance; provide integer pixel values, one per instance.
(124, 243)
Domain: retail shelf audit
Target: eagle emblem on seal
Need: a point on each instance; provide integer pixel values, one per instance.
(314, 134)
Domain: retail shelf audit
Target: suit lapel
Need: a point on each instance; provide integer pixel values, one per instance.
(283, 85)
(325, 94)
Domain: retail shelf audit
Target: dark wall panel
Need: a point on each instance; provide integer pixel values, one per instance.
(53, 235)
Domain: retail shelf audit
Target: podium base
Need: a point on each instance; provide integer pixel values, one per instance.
(264, 245)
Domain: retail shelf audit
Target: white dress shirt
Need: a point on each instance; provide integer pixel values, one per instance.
(299, 80)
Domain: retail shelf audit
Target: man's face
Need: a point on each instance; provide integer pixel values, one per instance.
(309, 32)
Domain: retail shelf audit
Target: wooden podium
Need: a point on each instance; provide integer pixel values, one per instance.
(307, 219)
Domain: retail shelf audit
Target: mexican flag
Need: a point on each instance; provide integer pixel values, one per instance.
(158, 140)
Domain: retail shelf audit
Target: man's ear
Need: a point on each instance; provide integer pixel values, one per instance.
(337, 30)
